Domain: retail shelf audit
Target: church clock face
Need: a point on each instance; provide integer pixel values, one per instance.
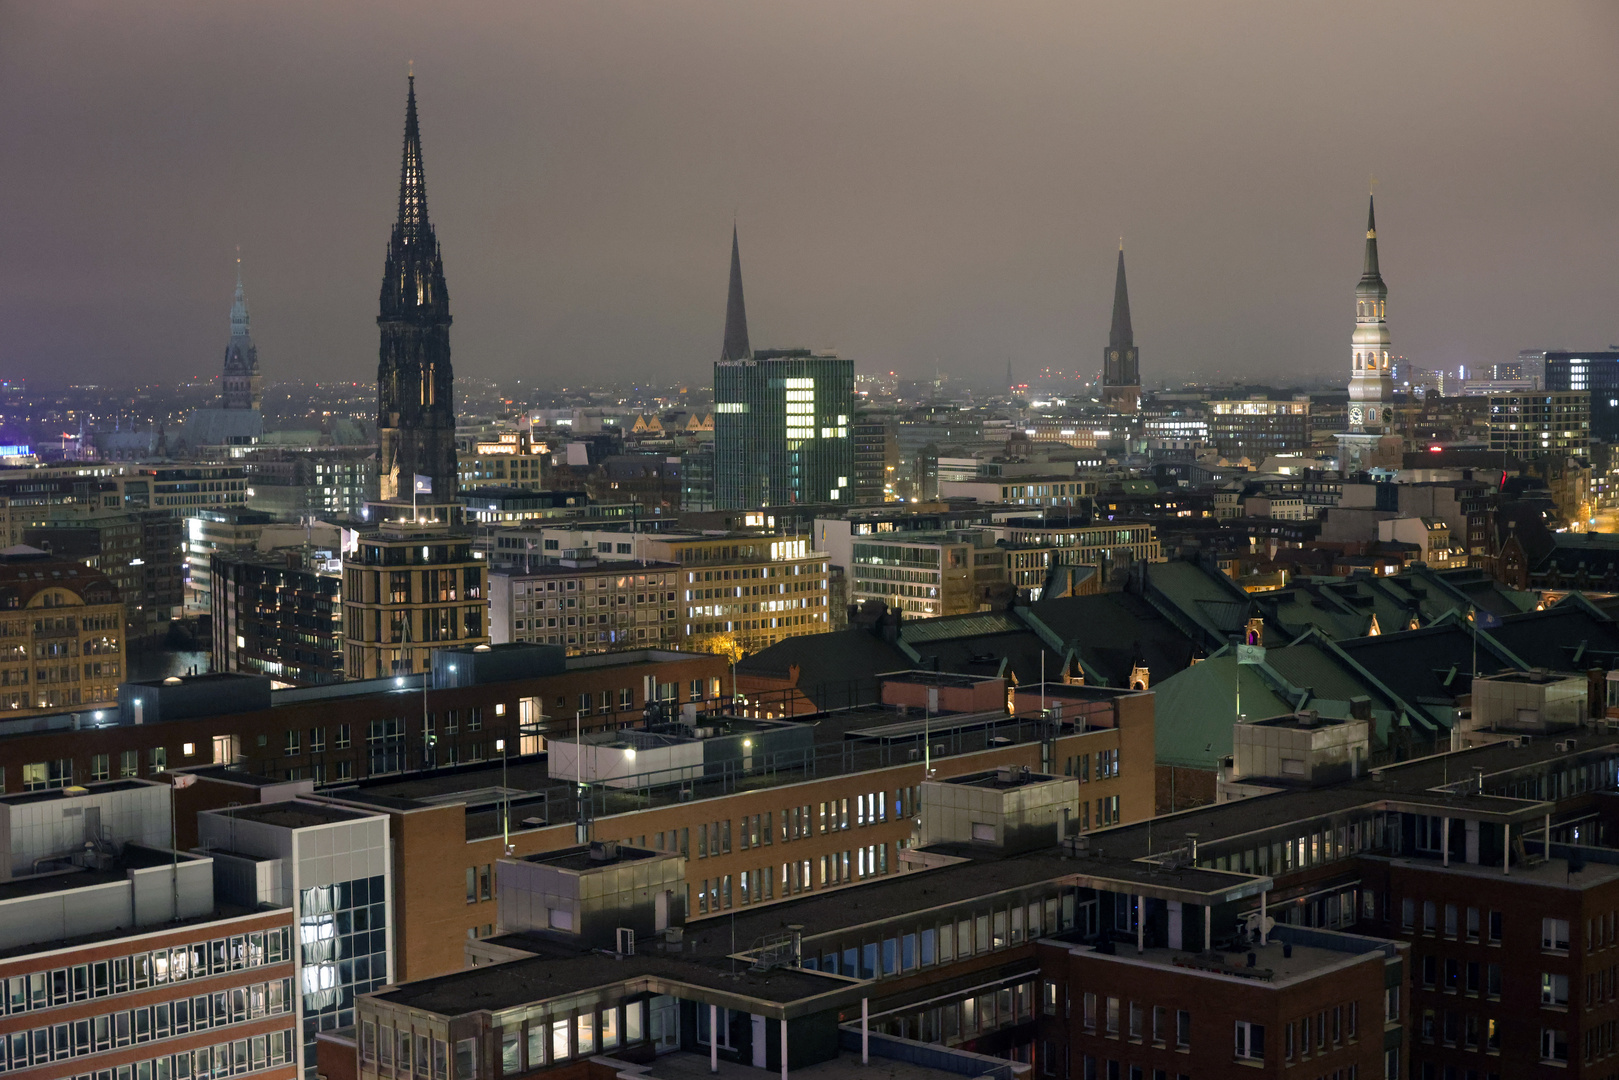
(1114, 355)
(1388, 415)
(1354, 414)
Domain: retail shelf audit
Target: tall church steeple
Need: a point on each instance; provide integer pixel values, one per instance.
(735, 346)
(240, 385)
(1121, 373)
(415, 382)
(1371, 377)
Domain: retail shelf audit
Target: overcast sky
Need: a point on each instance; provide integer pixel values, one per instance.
(915, 183)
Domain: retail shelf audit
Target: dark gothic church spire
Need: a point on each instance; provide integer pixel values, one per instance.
(415, 382)
(412, 182)
(1121, 336)
(735, 346)
(1121, 374)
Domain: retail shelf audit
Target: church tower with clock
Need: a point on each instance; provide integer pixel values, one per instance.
(1371, 377)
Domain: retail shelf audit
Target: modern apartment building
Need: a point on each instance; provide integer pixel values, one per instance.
(586, 605)
(209, 532)
(876, 456)
(781, 429)
(410, 587)
(279, 613)
(1543, 424)
(61, 634)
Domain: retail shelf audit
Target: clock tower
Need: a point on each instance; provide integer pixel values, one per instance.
(1371, 382)
(1371, 377)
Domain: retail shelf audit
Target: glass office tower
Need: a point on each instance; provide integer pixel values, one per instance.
(781, 429)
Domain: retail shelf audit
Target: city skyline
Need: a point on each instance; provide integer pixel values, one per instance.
(585, 216)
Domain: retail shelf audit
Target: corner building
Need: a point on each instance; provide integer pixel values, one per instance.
(61, 635)
(409, 587)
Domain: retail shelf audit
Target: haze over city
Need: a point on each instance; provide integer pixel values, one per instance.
(917, 186)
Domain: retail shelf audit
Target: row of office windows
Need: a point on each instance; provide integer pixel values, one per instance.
(132, 1027)
(838, 868)
(524, 1045)
(144, 970)
(237, 1058)
(900, 950)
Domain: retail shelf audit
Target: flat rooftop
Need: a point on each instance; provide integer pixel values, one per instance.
(556, 970)
(1531, 678)
(1441, 781)
(219, 913)
(1272, 966)
(847, 742)
(291, 815)
(583, 860)
(579, 567)
(66, 879)
(846, 1066)
(1555, 872)
(1298, 722)
(229, 774)
(999, 780)
(77, 792)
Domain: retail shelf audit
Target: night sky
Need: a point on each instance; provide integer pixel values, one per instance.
(915, 183)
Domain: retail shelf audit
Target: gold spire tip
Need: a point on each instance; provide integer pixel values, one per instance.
(410, 68)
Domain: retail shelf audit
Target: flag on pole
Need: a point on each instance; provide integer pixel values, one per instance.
(424, 485)
(1486, 620)
(183, 780)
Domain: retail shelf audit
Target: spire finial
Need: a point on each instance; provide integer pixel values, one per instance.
(238, 307)
(412, 181)
(410, 68)
(1121, 243)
